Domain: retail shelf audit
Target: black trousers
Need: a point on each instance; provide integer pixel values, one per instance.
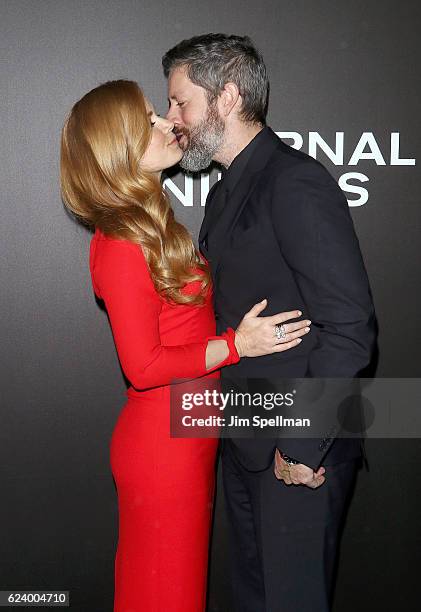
(283, 539)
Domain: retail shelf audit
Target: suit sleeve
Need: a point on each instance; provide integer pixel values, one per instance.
(316, 235)
(121, 278)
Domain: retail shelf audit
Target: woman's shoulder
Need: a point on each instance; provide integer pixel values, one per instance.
(112, 246)
(106, 240)
(110, 255)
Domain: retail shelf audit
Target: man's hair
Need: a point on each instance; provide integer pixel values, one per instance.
(211, 60)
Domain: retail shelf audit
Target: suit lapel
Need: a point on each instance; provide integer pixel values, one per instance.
(235, 204)
(207, 220)
(223, 226)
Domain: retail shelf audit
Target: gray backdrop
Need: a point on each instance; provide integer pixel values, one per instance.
(339, 70)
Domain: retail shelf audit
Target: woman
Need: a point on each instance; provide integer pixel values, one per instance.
(157, 293)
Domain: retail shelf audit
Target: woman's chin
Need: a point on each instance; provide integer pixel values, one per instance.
(175, 159)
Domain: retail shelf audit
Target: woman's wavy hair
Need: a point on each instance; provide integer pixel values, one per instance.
(104, 185)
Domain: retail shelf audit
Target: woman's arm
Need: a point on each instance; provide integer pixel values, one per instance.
(255, 335)
(121, 278)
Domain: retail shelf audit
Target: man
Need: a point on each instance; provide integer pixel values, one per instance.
(276, 226)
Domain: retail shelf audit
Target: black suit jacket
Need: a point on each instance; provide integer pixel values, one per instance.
(286, 234)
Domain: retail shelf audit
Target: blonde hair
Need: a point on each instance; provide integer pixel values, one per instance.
(102, 183)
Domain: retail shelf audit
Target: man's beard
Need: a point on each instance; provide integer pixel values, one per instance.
(203, 141)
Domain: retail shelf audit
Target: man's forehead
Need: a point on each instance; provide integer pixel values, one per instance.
(178, 81)
(179, 72)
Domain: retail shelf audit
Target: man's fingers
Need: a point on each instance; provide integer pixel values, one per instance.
(283, 475)
(281, 469)
(317, 482)
(289, 479)
(316, 479)
(298, 474)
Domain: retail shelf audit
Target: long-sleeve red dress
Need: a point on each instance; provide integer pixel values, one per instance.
(165, 485)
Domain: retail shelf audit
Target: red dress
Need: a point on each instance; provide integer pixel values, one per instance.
(165, 485)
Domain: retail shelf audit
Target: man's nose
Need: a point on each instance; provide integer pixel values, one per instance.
(171, 115)
(167, 124)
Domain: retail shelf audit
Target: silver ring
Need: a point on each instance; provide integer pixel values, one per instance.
(280, 332)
